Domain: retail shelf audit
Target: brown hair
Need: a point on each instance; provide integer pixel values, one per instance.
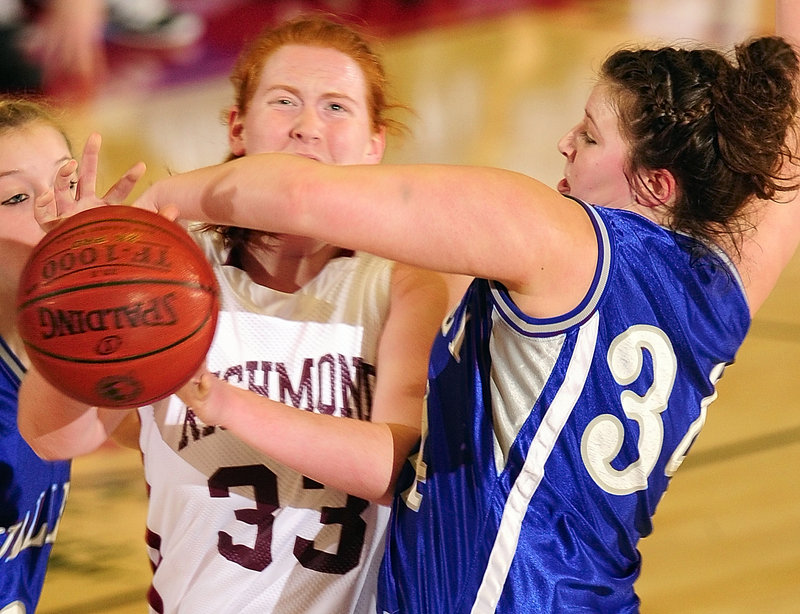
(720, 127)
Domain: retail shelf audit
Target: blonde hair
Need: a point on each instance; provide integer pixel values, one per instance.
(17, 113)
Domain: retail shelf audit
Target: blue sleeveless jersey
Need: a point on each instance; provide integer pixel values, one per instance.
(548, 443)
(33, 493)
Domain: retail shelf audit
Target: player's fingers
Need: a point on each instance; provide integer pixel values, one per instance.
(171, 212)
(194, 392)
(45, 211)
(87, 175)
(63, 199)
(44, 208)
(122, 188)
(204, 385)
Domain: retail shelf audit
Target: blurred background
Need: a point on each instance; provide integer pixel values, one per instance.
(493, 82)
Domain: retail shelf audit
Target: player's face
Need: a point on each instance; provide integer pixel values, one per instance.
(29, 159)
(596, 154)
(311, 101)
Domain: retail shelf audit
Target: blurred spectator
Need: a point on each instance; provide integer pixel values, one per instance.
(17, 72)
(152, 24)
(58, 46)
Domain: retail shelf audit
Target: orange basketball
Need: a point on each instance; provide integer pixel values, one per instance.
(117, 306)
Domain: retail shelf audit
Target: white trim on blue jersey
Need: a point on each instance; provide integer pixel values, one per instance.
(505, 545)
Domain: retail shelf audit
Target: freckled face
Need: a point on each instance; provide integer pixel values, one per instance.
(596, 155)
(310, 101)
(29, 159)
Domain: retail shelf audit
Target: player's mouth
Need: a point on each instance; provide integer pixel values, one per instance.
(563, 186)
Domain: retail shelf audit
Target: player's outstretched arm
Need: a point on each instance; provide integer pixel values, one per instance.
(767, 249)
(58, 427)
(481, 222)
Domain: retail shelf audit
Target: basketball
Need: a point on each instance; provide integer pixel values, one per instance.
(117, 306)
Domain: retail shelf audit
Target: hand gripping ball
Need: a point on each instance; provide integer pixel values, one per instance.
(117, 306)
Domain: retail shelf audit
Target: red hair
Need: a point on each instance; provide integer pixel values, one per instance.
(315, 31)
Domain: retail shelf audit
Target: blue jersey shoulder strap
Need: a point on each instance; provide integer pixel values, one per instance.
(10, 363)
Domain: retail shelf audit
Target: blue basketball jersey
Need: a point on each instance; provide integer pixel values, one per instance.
(548, 443)
(33, 493)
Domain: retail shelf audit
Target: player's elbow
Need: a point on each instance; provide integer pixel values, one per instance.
(38, 441)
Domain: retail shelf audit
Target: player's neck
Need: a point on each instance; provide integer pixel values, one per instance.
(286, 265)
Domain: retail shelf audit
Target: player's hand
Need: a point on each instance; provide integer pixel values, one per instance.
(203, 394)
(74, 188)
(148, 200)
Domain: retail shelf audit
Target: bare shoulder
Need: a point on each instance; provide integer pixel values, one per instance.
(563, 268)
(409, 279)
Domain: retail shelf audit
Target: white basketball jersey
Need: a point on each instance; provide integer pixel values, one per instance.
(231, 530)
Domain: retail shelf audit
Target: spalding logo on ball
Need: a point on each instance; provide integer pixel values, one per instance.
(117, 306)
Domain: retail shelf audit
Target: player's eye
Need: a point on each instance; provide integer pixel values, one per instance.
(338, 108)
(16, 199)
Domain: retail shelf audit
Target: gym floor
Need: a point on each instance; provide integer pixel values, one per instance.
(491, 83)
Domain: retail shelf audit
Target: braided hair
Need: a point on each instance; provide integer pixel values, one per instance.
(721, 127)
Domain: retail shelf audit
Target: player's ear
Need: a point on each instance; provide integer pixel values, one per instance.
(376, 146)
(236, 132)
(656, 188)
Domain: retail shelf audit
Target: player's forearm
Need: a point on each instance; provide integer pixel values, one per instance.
(235, 193)
(357, 457)
(547, 239)
(58, 427)
(771, 244)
